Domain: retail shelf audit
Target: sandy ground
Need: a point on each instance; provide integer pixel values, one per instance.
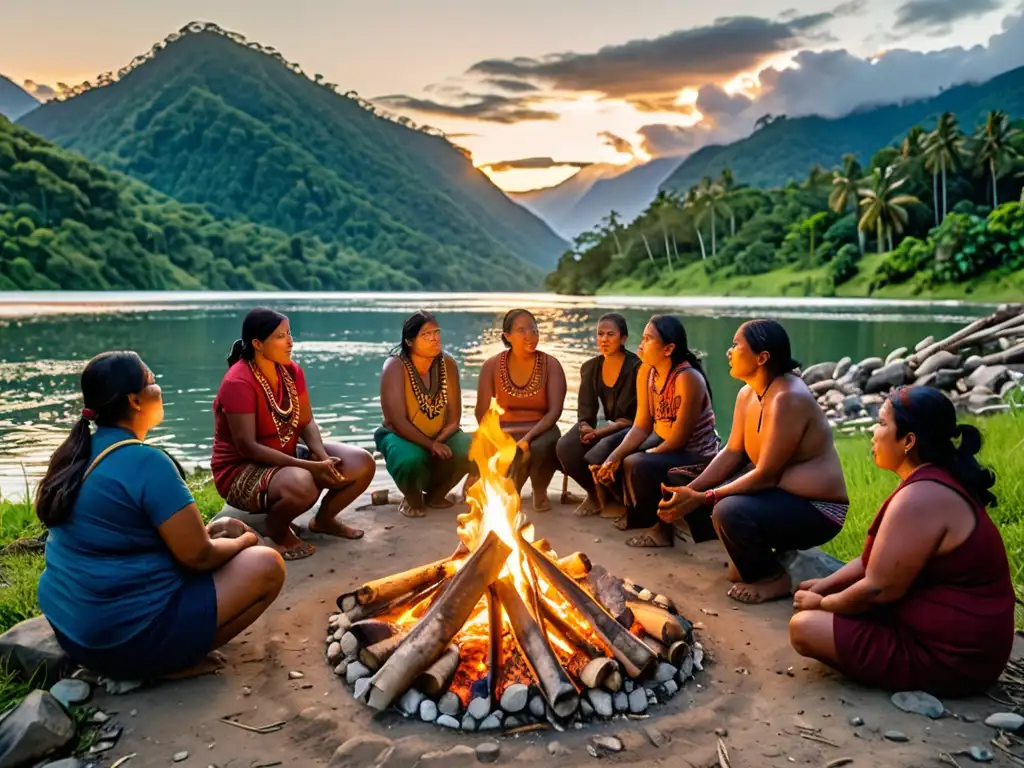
(745, 688)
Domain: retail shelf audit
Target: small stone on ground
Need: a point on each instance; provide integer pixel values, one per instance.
(607, 743)
(638, 701)
(449, 704)
(919, 703)
(448, 722)
(896, 736)
(428, 711)
(1005, 721)
(69, 692)
(557, 749)
(488, 751)
(479, 708)
(180, 756)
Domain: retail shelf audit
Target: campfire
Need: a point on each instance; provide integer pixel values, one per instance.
(505, 630)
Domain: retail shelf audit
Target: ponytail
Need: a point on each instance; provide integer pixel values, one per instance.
(240, 351)
(258, 325)
(968, 471)
(59, 487)
(672, 331)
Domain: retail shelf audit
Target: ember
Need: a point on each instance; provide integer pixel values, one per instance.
(505, 614)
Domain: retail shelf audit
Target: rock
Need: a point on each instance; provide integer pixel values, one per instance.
(538, 707)
(601, 701)
(461, 756)
(490, 723)
(638, 701)
(30, 646)
(870, 364)
(515, 698)
(557, 749)
(488, 751)
(410, 702)
(924, 343)
(721, 733)
(448, 721)
(889, 376)
(821, 387)
(896, 354)
(342, 668)
(479, 708)
(856, 722)
(698, 657)
(896, 736)
(334, 653)
(842, 368)
(807, 564)
(685, 670)
(819, 372)
(937, 362)
(628, 685)
(607, 744)
(946, 379)
(1005, 721)
(361, 687)
(356, 671)
(656, 737)
(295, 675)
(833, 398)
(349, 644)
(919, 703)
(468, 723)
(978, 400)
(67, 762)
(180, 756)
(989, 376)
(620, 702)
(449, 704)
(852, 405)
(69, 691)
(428, 711)
(512, 722)
(665, 672)
(33, 729)
(586, 709)
(671, 688)
(973, 363)
(980, 755)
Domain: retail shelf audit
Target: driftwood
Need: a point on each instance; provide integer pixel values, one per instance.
(553, 681)
(434, 679)
(373, 656)
(397, 584)
(1008, 329)
(1003, 314)
(1005, 357)
(428, 639)
(370, 631)
(657, 622)
(363, 612)
(632, 654)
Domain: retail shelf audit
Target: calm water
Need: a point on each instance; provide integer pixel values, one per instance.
(342, 341)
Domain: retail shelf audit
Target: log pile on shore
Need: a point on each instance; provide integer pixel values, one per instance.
(980, 368)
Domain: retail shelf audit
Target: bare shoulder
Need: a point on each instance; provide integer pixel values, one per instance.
(690, 382)
(927, 499)
(793, 396)
(553, 362)
(450, 363)
(391, 366)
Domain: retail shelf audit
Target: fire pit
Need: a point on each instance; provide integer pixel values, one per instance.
(505, 634)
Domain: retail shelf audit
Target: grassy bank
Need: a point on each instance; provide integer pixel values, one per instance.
(692, 280)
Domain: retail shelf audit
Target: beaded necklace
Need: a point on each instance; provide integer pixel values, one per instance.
(285, 417)
(434, 405)
(533, 386)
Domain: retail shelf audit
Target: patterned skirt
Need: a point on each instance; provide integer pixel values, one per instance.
(250, 488)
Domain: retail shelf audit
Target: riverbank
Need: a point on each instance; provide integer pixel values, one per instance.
(692, 280)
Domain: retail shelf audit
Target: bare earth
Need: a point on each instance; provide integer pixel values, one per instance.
(754, 686)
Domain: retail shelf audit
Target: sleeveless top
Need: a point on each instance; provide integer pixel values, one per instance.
(427, 409)
(526, 404)
(664, 407)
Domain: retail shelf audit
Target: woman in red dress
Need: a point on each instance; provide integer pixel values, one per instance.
(929, 604)
(260, 413)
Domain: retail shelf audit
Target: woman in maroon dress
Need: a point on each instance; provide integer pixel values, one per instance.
(260, 413)
(929, 604)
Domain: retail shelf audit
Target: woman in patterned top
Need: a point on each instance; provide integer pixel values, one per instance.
(260, 413)
(794, 495)
(425, 451)
(532, 408)
(674, 426)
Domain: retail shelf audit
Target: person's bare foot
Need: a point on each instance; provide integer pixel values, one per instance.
(732, 574)
(761, 591)
(588, 507)
(655, 536)
(213, 663)
(440, 502)
(334, 527)
(290, 546)
(541, 502)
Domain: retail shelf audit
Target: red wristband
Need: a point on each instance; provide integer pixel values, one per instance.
(710, 498)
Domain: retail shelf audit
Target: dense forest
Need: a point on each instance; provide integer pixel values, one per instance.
(68, 223)
(207, 119)
(938, 207)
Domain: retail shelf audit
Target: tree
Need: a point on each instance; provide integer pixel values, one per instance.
(728, 183)
(994, 148)
(711, 203)
(943, 151)
(692, 202)
(846, 185)
(883, 210)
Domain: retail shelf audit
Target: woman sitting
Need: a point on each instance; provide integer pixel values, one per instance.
(929, 604)
(674, 426)
(608, 391)
(135, 586)
(425, 451)
(531, 408)
(260, 413)
(794, 497)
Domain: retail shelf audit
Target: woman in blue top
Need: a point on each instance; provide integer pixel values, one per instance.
(135, 586)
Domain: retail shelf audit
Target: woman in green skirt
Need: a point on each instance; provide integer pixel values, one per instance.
(425, 451)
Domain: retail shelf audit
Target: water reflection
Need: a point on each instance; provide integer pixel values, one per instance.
(342, 341)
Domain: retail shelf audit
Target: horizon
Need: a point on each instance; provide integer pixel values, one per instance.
(650, 86)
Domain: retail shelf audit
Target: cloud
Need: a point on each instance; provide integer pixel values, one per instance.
(617, 143)
(533, 163)
(661, 140)
(514, 86)
(715, 103)
(41, 91)
(486, 107)
(936, 17)
(851, 8)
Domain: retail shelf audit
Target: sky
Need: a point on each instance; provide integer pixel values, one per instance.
(536, 89)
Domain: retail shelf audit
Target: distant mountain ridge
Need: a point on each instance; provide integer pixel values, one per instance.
(212, 121)
(15, 101)
(552, 204)
(786, 149)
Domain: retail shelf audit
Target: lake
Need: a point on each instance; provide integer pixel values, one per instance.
(342, 340)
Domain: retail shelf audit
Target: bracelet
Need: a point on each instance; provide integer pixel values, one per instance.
(710, 498)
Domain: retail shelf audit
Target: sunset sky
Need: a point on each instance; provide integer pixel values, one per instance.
(529, 85)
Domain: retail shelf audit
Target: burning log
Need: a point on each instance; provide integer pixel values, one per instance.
(576, 565)
(634, 656)
(495, 639)
(398, 584)
(427, 640)
(373, 656)
(569, 632)
(372, 631)
(554, 682)
(597, 672)
(657, 622)
(434, 679)
(673, 654)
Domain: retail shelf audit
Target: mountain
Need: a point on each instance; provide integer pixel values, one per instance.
(15, 101)
(786, 149)
(208, 119)
(552, 203)
(68, 223)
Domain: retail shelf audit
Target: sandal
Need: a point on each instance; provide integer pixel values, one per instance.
(588, 508)
(647, 541)
(622, 523)
(445, 502)
(300, 552)
(409, 510)
(543, 504)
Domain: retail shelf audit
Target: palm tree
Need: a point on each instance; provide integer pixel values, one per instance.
(712, 203)
(943, 151)
(884, 210)
(663, 207)
(846, 185)
(692, 202)
(728, 183)
(994, 148)
(912, 144)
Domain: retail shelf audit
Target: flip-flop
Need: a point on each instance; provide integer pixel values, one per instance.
(443, 503)
(545, 505)
(588, 508)
(645, 540)
(409, 510)
(300, 552)
(621, 523)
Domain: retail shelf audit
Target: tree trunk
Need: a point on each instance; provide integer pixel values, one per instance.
(700, 239)
(881, 235)
(889, 234)
(649, 254)
(714, 243)
(732, 225)
(862, 239)
(995, 185)
(935, 195)
(668, 250)
(945, 199)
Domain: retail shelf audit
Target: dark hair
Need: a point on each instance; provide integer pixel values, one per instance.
(931, 416)
(615, 319)
(510, 318)
(258, 325)
(411, 329)
(671, 331)
(769, 336)
(106, 382)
